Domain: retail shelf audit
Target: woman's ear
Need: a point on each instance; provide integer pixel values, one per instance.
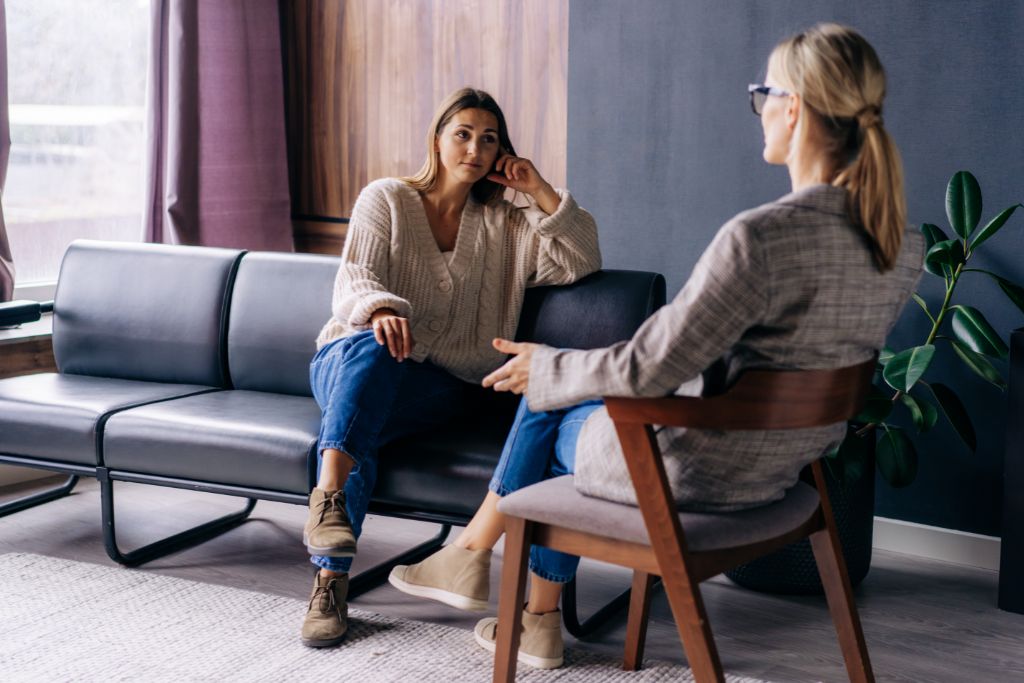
(793, 106)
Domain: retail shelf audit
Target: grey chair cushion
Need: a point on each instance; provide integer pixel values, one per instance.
(241, 438)
(56, 417)
(556, 501)
(149, 312)
(278, 305)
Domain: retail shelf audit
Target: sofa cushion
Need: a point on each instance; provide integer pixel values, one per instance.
(599, 310)
(149, 312)
(240, 438)
(278, 305)
(56, 417)
(556, 501)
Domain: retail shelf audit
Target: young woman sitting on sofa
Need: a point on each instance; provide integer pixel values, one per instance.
(434, 267)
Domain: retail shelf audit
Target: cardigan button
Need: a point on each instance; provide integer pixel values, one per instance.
(444, 285)
(435, 325)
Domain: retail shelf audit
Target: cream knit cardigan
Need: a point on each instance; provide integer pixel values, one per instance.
(391, 260)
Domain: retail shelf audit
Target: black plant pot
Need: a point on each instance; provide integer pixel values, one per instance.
(792, 569)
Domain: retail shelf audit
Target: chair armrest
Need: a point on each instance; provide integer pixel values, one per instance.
(18, 312)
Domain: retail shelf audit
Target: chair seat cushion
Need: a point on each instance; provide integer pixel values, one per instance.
(240, 438)
(56, 417)
(557, 502)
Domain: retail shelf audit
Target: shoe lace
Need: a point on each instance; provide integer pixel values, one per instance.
(333, 503)
(325, 598)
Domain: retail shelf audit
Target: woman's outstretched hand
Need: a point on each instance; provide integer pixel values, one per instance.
(514, 375)
(522, 176)
(393, 331)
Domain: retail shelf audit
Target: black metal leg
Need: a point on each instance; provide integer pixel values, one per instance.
(180, 541)
(570, 614)
(378, 574)
(12, 506)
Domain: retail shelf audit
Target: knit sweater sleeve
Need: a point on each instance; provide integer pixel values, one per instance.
(564, 244)
(724, 297)
(361, 285)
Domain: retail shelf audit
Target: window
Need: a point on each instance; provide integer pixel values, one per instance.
(77, 90)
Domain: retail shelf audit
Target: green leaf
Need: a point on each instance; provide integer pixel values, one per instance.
(992, 227)
(923, 412)
(979, 364)
(955, 412)
(948, 253)
(876, 408)
(924, 306)
(897, 457)
(963, 203)
(906, 367)
(971, 327)
(885, 355)
(932, 235)
(1014, 292)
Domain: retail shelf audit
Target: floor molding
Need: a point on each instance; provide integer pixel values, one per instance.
(935, 543)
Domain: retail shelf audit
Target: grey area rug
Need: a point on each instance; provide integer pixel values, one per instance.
(63, 620)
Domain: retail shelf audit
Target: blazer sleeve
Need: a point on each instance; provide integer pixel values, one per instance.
(361, 285)
(726, 295)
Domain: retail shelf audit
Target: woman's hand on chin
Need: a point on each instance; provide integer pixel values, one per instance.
(522, 176)
(514, 375)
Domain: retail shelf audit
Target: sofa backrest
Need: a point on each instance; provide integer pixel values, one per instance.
(279, 304)
(601, 309)
(148, 312)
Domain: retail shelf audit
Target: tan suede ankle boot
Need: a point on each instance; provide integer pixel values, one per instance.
(328, 531)
(455, 576)
(540, 641)
(327, 617)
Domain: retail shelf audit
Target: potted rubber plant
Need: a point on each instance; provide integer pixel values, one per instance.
(902, 386)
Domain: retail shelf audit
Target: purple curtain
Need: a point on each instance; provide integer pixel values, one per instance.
(6, 262)
(218, 168)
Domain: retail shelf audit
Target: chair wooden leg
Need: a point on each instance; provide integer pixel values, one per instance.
(839, 593)
(510, 601)
(694, 630)
(636, 626)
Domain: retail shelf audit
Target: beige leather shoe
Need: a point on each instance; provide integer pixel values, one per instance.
(328, 531)
(327, 617)
(453, 575)
(540, 641)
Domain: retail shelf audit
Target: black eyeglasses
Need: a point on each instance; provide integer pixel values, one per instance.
(760, 93)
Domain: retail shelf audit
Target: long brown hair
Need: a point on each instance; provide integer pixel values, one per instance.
(841, 81)
(483, 190)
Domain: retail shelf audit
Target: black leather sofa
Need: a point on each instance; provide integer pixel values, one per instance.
(188, 367)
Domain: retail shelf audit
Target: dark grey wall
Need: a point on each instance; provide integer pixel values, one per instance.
(663, 149)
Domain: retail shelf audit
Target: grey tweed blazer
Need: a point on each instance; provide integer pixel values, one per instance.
(790, 284)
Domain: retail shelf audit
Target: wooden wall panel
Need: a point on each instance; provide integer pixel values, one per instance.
(366, 75)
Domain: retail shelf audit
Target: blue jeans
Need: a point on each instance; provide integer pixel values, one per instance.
(367, 399)
(542, 446)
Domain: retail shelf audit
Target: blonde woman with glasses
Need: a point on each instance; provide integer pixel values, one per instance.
(814, 279)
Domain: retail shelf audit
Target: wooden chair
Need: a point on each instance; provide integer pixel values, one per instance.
(687, 548)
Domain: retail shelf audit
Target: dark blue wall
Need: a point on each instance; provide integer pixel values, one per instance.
(663, 149)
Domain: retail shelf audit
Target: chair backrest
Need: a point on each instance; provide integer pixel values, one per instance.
(148, 312)
(760, 399)
(599, 310)
(279, 303)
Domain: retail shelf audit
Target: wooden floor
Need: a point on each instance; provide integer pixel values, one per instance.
(924, 620)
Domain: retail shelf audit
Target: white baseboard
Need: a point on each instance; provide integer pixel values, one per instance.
(947, 545)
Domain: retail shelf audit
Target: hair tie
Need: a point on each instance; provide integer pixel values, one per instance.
(869, 117)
